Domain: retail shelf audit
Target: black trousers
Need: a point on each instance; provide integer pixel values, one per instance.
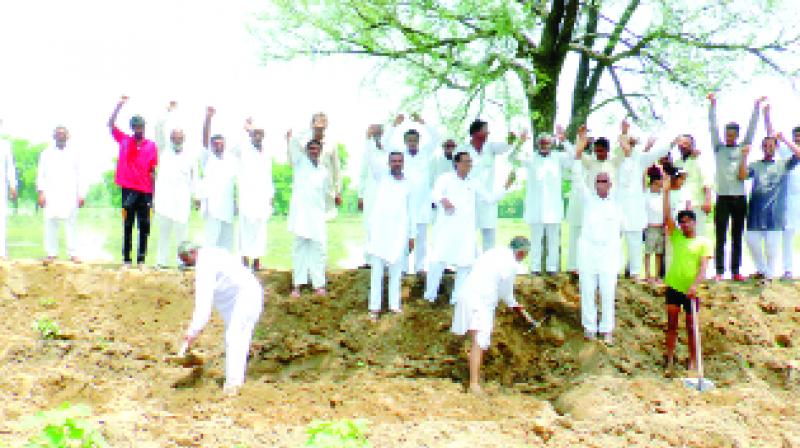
(734, 209)
(135, 205)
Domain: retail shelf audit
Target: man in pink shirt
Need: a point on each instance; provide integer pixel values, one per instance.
(136, 166)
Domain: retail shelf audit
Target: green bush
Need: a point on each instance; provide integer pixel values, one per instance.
(64, 427)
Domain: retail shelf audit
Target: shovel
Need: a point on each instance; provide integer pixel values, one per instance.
(699, 384)
(185, 359)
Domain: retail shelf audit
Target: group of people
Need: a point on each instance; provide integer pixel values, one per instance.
(623, 200)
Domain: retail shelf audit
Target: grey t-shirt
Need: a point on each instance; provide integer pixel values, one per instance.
(728, 157)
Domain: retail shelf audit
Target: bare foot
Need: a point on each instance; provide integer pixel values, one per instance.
(295, 293)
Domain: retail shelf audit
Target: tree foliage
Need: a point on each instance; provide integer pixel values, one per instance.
(514, 52)
(26, 161)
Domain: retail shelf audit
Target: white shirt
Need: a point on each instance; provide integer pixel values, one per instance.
(310, 184)
(654, 203)
(599, 245)
(217, 185)
(543, 199)
(417, 169)
(219, 277)
(389, 222)
(483, 171)
(491, 280)
(256, 188)
(454, 234)
(175, 181)
(59, 178)
(630, 190)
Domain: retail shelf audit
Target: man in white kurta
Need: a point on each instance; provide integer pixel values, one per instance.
(484, 154)
(328, 158)
(390, 228)
(599, 256)
(544, 206)
(699, 178)
(586, 170)
(417, 169)
(256, 191)
(176, 181)
(367, 182)
(222, 282)
(8, 188)
(454, 239)
(62, 191)
(490, 280)
(217, 188)
(443, 161)
(631, 193)
(310, 184)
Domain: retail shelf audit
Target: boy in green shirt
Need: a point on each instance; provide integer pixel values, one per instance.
(690, 256)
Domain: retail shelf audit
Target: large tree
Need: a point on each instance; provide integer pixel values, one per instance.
(513, 52)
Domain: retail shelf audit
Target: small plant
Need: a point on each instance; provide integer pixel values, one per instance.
(46, 327)
(47, 302)
(337, 434)
(64, 427)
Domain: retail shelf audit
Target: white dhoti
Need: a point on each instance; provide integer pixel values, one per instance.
(553, 232)
(395, 269)
(219, 233)
(434, 278)
(51, 228)
(167, 230)
(765, 258)
(590, 282)
(252, 236)
(239, 332)
(572, 250)
(634, 245)
(308, 262)
(469, 315)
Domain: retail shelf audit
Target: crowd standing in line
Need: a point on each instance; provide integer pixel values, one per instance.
(625, 204)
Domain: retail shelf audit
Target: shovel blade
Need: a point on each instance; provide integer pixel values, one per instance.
(699, 384)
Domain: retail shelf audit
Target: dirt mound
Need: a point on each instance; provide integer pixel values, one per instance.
(321, 358)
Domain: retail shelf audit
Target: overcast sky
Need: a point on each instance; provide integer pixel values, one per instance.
(68, 62)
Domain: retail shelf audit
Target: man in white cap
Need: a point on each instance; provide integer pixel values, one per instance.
(491, 280)
(221, 281)
(175, 183)
(62, 191)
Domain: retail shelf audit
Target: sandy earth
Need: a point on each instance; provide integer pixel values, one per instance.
(320, 358)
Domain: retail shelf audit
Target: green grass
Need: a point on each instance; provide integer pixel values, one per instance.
(100, 237)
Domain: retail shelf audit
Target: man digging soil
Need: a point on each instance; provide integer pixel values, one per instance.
(221, 280)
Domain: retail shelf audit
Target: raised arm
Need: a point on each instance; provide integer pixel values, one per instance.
(743, 171)
(789, 144)
(669, 223)
(294, 152)
(112, 120)
(768, 121)
(751, 127)
(713, 127)
(210, 111)
(581, 142)
(161, 125)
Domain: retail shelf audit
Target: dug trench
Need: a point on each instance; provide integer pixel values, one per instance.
(322, 358)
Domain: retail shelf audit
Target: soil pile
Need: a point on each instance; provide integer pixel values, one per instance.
(321, 358)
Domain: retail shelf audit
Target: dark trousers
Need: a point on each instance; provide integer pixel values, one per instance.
(734, 209)
(135, 205)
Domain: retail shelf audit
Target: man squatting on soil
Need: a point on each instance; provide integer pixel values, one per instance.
(222, 281)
